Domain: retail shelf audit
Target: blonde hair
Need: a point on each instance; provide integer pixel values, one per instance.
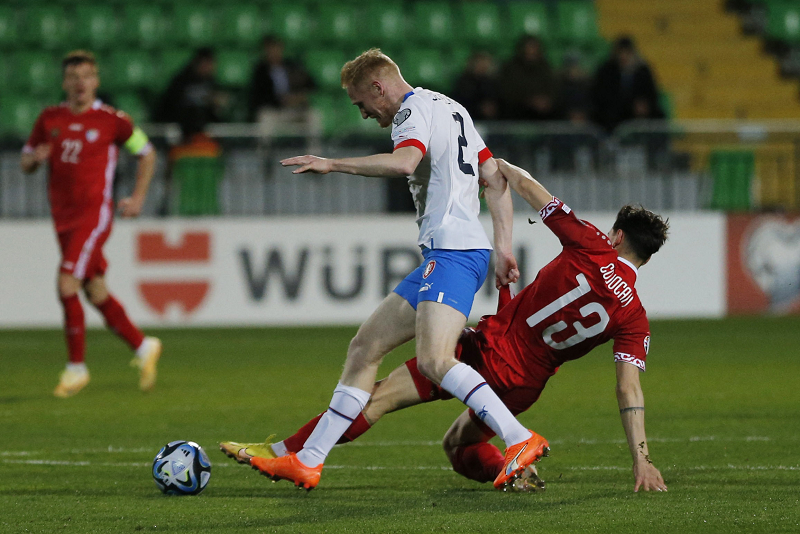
(76, 57)
(373, 62)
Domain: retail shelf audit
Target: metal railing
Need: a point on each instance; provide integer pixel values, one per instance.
(677, 166)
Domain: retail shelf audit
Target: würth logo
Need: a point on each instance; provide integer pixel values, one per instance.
(153, 249)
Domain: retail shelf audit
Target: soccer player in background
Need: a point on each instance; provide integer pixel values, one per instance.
(432, 304)
(80, 140)
(581, 299)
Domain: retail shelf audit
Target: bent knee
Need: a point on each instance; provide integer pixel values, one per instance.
(434, 369)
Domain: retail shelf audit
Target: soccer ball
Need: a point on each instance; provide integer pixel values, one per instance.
(181, 468)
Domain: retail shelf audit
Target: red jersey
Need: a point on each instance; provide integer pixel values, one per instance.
(82, 161)
(580, 300)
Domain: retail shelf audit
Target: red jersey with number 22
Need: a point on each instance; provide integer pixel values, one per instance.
(82, 161)
(580, 300)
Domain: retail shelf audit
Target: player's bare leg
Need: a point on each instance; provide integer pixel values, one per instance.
(148, 349)
(75, 376)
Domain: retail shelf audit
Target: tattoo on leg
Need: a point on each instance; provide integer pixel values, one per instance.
(631, 409)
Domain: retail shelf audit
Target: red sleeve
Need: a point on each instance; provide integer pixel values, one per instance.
(38, 135)
(124, 127)
(571, 231)
(632, 342)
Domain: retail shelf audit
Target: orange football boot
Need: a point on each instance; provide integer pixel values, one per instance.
(288, 468)
(520, 456)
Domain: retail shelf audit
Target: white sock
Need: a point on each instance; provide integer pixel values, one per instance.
(468, 386)
(77, 367)
(346, 404)
(141, 350)
(279, 449)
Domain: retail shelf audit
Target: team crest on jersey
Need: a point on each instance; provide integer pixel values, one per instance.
(646, 344)
(92, 135)
(429, 268)
(401, 117)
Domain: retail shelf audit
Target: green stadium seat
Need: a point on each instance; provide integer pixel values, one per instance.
(46, 27)
(234, 68)
(36, 72)
(145, 25)
(129, 70)
(132, 104)
(528, 18)
(387, 23)
(193, 24)
(480, 23)
(170, 62)
(8, 27)
(338, 24)
(96, 26)
(17, 115)
(241, 25)
(577, 21)
(426, 68)
(783, 21)
(325, 67)
(732, 172)
(291, 23)
(197, 180)
(433, 22)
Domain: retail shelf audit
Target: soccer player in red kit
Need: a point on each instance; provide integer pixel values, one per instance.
(581, 299)
(80, 140)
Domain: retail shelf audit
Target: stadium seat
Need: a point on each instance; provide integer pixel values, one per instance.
(426, 68)
(387, 23)
(128, 69)
(46, 27)
(36, 72)
(241, 25)
(480, 23)
(193, 24)
(95, 26)
(577, 21)
(337, 24)
(145, 25)
(233, 68)
(130, 103)
(732, 172)
(197, 180)
(784, 21)
(17, 115)
(291, 23)
(325, 67)
(528, 18)
(433, 22)
(8, 27)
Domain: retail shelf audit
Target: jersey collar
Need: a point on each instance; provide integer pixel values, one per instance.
(405, 96)
(629, 264)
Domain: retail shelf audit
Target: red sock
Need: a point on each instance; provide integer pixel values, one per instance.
(295, 443)
(479, 461)
(74, 328)
(117, 320)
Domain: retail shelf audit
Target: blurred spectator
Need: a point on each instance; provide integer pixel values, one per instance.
(624, 88)
(574, 100)
(194, 173)
(527, 83)
(192, 99)
(477, 87)
(277, 83)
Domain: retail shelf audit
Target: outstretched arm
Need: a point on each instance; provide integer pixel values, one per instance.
(498, 199)
(402, 162)
(631, 409)
(524, 184)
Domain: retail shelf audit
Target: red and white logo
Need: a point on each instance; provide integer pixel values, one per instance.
(647, 344)
(429, 268)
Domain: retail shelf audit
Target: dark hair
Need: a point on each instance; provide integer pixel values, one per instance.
(203, 53)
(624, 42)
(269, 40)
(645, 232)
(77, 57)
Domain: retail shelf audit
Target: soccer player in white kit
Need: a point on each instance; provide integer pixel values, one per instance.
(433, 302)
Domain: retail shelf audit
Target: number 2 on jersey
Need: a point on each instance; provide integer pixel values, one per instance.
(466, 168)
(563, 301)
(72, 147)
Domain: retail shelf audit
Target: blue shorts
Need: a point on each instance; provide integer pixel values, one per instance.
(451, 277)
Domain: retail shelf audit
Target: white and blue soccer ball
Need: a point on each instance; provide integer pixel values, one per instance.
(181, 468)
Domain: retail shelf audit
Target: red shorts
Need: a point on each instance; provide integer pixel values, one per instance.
(517, 393)
(82, 251)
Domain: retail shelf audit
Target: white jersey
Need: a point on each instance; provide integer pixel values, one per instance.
(446, 197)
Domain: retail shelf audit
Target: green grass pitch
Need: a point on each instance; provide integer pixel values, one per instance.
(723, 419)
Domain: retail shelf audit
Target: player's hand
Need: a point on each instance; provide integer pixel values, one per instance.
(313, 164)
(131, 206)
(42, 152)
(647, 477)
(506, 270)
